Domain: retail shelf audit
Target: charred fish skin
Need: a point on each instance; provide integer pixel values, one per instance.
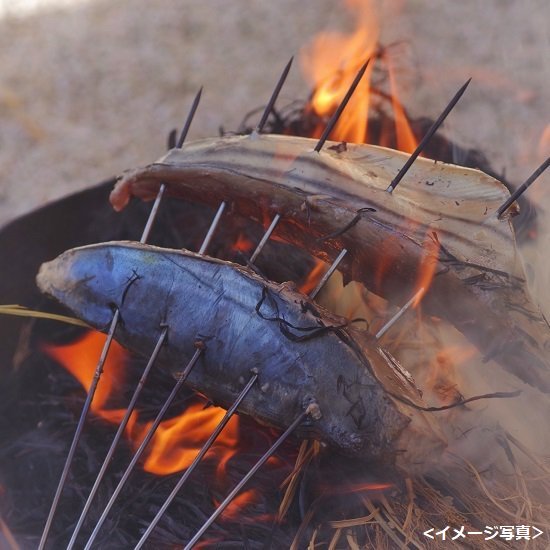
(479, 283)
(232, 311)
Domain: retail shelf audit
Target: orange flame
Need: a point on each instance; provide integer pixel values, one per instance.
(332, 61)
(244, 499)
(544, 143)
(80, 359)
(406, 140)
(427, 267)
(313, 278)
(442, 376)
(332, 50)
(371, 487)
(176, 441)
(243, 244)
(359, 487)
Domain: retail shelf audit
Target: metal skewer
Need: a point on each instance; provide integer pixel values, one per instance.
(327, 275)
(398, 315)
(144, 443)
(196, 460)
(212, 228)
(228, 414)
(265, 238)
(118, 435)
(153, 214)
(274, 97)
(171, 144)
(272, 450)
(523, 187)
(103, 357)
(429, 134)
(334, 118)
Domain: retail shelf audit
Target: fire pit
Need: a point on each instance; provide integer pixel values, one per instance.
(292, 499)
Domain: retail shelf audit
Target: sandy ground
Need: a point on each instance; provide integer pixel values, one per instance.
(89, 90)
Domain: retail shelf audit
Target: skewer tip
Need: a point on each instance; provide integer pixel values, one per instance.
(189, 119)
(335, 117)
(428, 136)
(522, 188)
(273, 98)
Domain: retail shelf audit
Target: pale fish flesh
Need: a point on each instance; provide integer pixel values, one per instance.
(337, 199)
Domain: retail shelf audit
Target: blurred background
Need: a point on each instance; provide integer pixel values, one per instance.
(89, 88)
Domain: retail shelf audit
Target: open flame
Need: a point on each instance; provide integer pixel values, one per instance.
(331, 62)
(243, 244)
(80, 359)
(428, 265)
(241, 501)
(404, 136)
(313, 277)
(177, 440)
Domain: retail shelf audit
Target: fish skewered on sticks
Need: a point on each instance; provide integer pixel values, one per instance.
(302, 353)
(336, 199)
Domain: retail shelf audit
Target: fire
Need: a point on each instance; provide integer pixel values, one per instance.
(442, 376)
(80, 359)
(406, 140)
(241, 501)
(177, 440)
(331, 62)
(345, 489)
(544, 142)
(427, 267)
(243, 244)
(313, 278)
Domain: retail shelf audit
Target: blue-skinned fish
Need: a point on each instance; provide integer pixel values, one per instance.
(368, 405)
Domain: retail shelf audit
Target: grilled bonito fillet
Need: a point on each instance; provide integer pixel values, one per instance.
(337, 199)
(245, 323)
